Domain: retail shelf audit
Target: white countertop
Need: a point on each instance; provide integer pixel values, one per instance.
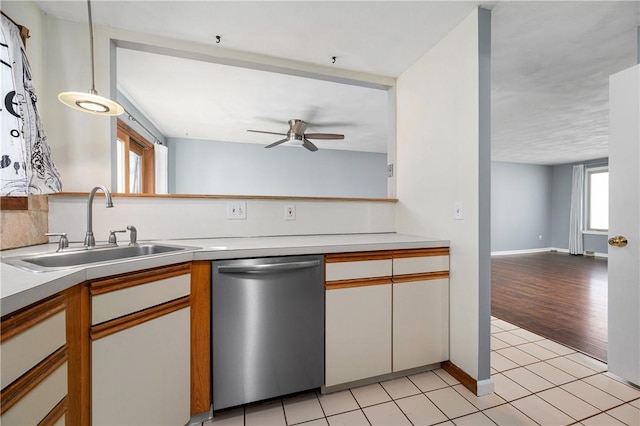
(20, 288)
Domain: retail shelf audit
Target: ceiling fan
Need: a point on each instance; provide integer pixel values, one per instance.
(297, 135)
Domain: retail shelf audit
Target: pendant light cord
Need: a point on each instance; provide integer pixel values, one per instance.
(93, 77)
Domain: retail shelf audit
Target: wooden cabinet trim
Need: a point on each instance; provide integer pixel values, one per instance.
(438, 251)
(129, 280)
(113, 326)
(399, 279)
(17, 390)
(362, 282)
(79, 381)
(357, 257)
(17, 322)
(55, 414)
(201, 397)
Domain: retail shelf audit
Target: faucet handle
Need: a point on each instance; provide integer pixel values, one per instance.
(112, 236)
(63, 243)
(133, 238)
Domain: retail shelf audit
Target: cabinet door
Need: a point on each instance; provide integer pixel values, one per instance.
(141, 375)
(33, 363)
(140, 350)
(358, 333)
(420, 323)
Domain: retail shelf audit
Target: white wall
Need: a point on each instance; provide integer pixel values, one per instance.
(29, 15)
(80, 142)
(168, 218)
(442, 158)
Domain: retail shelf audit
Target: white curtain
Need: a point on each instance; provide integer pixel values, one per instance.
(26, 166)
(161, 156)
(577, 210)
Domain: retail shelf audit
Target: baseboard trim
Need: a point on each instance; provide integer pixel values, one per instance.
(545, 249)
(585, 253)
(460, 375)
(381, 378)
(525, 251)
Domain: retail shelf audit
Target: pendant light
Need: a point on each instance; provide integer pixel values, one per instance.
(90, 101)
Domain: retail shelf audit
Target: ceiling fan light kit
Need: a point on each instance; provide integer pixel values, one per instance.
(297, 136)
(90, 101)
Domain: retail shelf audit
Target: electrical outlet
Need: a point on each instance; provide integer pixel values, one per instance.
(237, 210)
(457, 211)
(290, 212)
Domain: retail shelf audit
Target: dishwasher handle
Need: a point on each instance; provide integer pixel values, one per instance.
(267, 267)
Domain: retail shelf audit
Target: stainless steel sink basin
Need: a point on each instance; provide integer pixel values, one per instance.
(80, 257)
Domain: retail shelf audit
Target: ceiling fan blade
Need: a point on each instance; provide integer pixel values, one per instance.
(277, 143)
(310, 146)
(269, 133)
(331, 124)
(323, 136)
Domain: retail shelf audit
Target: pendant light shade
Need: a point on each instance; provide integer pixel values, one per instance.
(90, 101)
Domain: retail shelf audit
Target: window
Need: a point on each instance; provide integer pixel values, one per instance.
(597, 202)
(134, 162)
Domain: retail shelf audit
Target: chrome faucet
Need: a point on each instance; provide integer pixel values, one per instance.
(89, 240)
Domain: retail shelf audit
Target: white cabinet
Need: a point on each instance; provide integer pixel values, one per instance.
(386, 312)
(33, 365)
(420, 307)
(358, 333)
(420, 323)
(140, 350)
(358, 316)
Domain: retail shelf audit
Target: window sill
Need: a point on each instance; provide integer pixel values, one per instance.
(587, 232)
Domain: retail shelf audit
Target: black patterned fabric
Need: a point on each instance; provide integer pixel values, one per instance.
(26, 166)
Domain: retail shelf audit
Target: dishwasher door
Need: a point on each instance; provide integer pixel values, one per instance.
(267, 328)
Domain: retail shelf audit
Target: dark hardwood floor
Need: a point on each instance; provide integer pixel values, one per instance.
(556, 295)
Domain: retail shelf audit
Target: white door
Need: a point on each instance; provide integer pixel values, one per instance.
(624, 221)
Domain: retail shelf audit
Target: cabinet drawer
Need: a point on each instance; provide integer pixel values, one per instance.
(40, 401)
(354, 266)
(420, 261)
(24, 351)
(114, 304)
(419, 265)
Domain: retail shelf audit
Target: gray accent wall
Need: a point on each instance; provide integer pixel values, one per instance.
(520, 206)
(214, 167)
(532, 200)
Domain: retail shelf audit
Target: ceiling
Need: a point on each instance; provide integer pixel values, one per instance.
(550, 67)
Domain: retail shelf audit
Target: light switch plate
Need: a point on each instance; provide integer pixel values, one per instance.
(457, 211)
(237, 210)
(290, 212)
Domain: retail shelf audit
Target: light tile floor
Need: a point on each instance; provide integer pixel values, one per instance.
(537, 381)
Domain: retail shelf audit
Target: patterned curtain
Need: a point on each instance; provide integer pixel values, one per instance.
(26, 166)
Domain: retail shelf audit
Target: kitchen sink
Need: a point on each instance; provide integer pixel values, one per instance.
(79, 257)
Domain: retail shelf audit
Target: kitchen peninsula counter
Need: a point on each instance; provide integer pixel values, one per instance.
(20, 288)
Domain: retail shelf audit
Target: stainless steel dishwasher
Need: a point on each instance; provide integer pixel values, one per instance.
(267, 328)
